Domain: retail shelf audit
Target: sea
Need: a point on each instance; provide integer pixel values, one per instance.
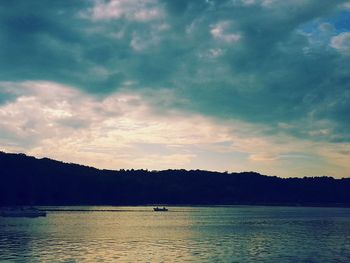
(183, 234)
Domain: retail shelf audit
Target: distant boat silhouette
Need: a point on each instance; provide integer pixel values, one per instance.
(160, 209)
(22, 212)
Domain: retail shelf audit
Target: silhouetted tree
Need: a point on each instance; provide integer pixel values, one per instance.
(27, 180)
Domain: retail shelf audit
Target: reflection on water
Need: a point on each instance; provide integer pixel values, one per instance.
(212, 234)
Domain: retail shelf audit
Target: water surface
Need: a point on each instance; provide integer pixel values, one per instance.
(196, 234)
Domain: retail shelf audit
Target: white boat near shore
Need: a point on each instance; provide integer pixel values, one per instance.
(22, 212)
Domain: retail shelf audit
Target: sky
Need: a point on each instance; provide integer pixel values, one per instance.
(222, 85)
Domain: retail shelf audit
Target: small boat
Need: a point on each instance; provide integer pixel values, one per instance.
(160, 209)
(22, 212)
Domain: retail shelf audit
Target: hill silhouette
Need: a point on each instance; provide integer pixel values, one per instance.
(26, 180)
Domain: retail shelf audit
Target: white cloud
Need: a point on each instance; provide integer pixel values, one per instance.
(346, 5)
(341, 42)
(264, 3)
(125, 130)
(76, 127)
(212, 53)
(140, 10)
(141, 42)
(220, 31)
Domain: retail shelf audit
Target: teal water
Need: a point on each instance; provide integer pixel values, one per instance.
(184, 234)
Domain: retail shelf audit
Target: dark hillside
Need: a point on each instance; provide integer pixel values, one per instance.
(31, 181)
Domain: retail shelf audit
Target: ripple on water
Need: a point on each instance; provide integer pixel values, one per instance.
(231, 234)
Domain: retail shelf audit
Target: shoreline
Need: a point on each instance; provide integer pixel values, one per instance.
(80, 208)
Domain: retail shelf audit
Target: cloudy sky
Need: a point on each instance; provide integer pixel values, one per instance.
(235, 85)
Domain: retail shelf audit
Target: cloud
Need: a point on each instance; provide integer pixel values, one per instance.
(341, 42)
(228, 61)
(218, 31)
(70, 125)
(142, 10)
(264, 3)
(124, 130)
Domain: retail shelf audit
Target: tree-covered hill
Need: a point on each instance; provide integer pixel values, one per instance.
(25, 180)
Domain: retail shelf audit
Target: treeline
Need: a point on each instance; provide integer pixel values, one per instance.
(25, 180)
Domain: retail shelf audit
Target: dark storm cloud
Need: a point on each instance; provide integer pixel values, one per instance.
(251, 60)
